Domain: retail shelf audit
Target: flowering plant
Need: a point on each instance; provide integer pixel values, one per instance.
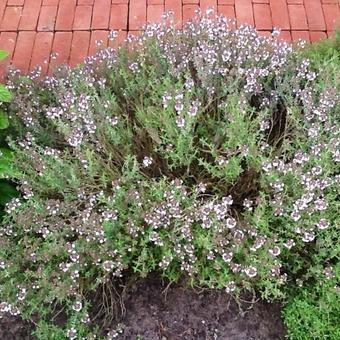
(208, 154)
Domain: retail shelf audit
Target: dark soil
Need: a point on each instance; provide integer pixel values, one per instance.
(183, 314)
(176, 313)
(13, 328)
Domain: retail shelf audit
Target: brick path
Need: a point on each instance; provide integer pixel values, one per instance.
(33, 29)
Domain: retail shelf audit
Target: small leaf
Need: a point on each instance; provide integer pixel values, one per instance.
(154, 134)
(5, 162)
(3, 120)
(5, 95)
(6, 153)
(3, 54)
(7, 192)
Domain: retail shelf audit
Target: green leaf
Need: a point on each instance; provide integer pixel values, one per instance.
(5, 95)
(3, 120)
(5, 162)
(3, 54)
(6, 153)
(7, 192)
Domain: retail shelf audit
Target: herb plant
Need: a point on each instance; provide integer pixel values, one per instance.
(208, 154)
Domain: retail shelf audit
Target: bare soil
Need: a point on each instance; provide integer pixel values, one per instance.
(13, 328)
(157, 312)
(184, 314)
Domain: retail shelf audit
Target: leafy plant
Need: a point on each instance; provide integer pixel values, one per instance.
(208, 154)
(312, 311)
(324, 50)
(7, 191)
(5, 96)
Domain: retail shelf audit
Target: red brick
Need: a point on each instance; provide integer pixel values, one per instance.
(47, 18)
(79, 47)
(192, 2)
(226, 2)
(317, 35)
(119, 16)
(154, 13)
(262, 15)
(50, 2)
(176, 7)
(298, 19)
(280, 15)
(96, 37)
(7, 43)
(244, 12)
(120, 1)
(336, 2)
(119, 40)
(285, 35)
(303, 35)
(332, 15)
(155, 2)
(227, 11)
(295, 2)
(189, 12)
(23, 50)
(30, 15)
(61, 47)
(65, 15)
(101, 14)
(82, 18)
(137, 15)
(2, 9)
(15, 2)
(11, 19)
(330, 34)
(41, 51)
(206, 4)
(265, 33)
(134, 33)
(260, 1)
(85, 2)
(315, 19)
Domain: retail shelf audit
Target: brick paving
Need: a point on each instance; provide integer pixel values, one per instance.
(33, 30)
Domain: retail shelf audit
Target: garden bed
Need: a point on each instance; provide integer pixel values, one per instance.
(155, 310)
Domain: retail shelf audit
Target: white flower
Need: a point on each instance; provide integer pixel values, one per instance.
(108, 265)
(251, 271)
(179, 107)
(77, 306)
(71, 333)
(230, 287)
(295, 216)
(221, 161)
(275, 251)
(308, 236)
(147, 161)
(227, 256)
(323, 224)
(180, 122)
(289, 244)
(227, 200)
(231, 223)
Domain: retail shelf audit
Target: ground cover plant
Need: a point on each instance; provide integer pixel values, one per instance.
(312, 311)
(209, 154)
